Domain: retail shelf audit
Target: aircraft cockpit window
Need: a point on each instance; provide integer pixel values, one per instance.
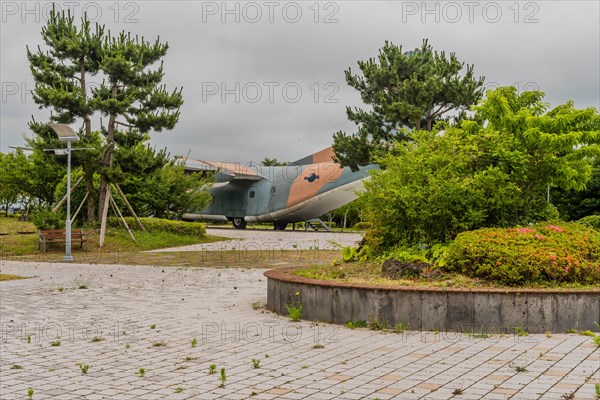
(252, 193)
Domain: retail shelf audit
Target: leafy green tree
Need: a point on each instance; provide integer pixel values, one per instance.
(574, 205)
(482, 175)
(272, 162)
(170, 192)
(130, 94)
(136, 164)
(348, 215)
(31, 176)
(9, 187)
(403, 90)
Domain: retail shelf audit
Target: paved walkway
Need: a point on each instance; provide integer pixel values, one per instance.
(129, 318)
(269, 239)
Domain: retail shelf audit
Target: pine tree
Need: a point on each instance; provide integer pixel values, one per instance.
(411, 89)
(61, 77)
(130, 96)
(132, 91)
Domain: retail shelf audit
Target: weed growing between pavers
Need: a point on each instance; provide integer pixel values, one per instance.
(400, 327)
(83, 367)
(596, 339)
(356, 324)
(294, 308)
(518, 368)
(223, 377)
(212, 368)
(377, 324)
(520, 332)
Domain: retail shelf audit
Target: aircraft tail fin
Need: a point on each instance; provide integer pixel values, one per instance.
(324, 155)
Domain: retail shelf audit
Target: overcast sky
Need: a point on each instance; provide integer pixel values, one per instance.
(266, 78)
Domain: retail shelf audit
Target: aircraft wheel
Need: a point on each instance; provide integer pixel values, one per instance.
(239, 223)
(280, 226)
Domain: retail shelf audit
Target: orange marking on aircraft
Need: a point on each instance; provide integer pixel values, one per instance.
(325, 155)
(303, 189)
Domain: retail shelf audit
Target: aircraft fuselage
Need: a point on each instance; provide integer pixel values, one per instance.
(280, 194)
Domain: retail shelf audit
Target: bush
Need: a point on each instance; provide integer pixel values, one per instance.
(591, 221)
(45, 220)
(362, 225)
(164, 225)
(573, 204)
(543, 253)
(491, 171)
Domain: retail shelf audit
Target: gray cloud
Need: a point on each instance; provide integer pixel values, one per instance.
(559, 54)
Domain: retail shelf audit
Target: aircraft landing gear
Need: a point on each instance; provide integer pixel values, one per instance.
(280, 226)
(239, 222)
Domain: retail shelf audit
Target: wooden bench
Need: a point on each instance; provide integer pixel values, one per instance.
(60, 236)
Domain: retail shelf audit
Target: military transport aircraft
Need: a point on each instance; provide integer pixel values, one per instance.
(300, 191)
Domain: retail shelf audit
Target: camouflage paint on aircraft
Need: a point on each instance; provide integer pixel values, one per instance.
(305, 189)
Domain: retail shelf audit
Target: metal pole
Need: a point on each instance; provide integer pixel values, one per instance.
(68, 256)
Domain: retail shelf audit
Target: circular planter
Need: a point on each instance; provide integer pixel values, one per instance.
(429, 308)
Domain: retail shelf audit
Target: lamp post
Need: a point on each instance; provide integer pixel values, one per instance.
(65, 133)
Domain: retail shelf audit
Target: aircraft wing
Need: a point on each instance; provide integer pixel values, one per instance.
(227, 171)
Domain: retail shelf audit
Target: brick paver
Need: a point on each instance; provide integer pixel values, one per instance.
(133, 317)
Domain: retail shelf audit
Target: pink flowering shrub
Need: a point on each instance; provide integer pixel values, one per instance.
(540, 254)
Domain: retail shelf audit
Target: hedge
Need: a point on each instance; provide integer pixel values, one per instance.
(591, 221)
(363, 225)
(544, 253)
(164, 225)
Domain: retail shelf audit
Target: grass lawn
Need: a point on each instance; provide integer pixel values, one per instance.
(120, 249)
(6, 277)
(19, 238)
(370, 273)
